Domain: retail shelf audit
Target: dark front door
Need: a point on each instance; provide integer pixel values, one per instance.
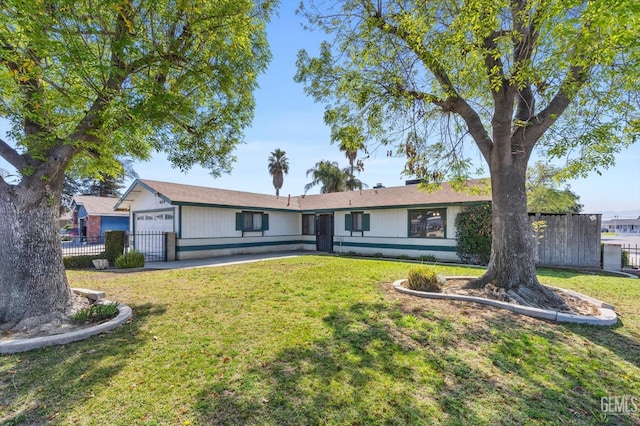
(324, 234)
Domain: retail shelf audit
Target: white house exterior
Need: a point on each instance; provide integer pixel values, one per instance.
(214, 222)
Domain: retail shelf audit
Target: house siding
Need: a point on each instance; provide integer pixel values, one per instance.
(145, 201)
(211, 231)
(114, 223)
(388, 235)
(206, 227)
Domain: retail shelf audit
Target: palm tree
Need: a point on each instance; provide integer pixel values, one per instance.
(327, 174)
(351, 182)
(278, 167)
(332, 178)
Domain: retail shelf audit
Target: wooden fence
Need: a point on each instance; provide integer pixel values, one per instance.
(571, 240)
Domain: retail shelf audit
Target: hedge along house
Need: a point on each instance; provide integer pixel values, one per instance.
(212, 222)
(93, 216)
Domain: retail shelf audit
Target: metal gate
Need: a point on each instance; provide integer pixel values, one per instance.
(152, 244)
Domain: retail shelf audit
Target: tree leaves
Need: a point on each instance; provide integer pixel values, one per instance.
(105, 79)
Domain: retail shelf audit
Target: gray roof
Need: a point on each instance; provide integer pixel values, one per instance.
(99, 206)
(399, 196)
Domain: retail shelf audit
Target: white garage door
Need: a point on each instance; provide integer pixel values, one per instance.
(154, 222)
(149, 233)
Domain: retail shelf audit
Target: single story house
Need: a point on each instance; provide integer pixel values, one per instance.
(624, 225)
(93, 216)
(211, 222)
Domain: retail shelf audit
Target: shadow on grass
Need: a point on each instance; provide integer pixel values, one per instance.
(561, 372)
(626, 346)
(40, 386)
(380, 364)
(370, 369)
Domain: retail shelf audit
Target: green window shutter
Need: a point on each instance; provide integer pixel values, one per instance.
(366, 222)
(239, 222)
(348, 222)
(265, 222)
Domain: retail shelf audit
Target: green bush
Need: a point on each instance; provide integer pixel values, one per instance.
(625, 259)
(427, 258)
(81, 262)
(95, 313)
(113, 245)
(473, 234)
(133, 259)
(425, 279)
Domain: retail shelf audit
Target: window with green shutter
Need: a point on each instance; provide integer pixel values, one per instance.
(357, 222)
(252, 222)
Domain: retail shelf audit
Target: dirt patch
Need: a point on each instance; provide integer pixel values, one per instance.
(58, 324)
(574, 305)
(456, 307)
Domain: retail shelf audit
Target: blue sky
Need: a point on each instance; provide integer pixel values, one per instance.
(286, 118)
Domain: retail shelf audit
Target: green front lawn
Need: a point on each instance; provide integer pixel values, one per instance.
(325, 340)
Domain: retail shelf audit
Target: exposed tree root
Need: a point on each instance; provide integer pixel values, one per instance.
(533, 295)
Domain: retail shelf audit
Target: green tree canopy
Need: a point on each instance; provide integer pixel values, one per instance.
(85, 83)
(544, 194)
(441, 80)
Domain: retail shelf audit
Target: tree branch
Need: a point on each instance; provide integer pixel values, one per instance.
(524, 42)
(454, 102)
(117, 75)
(535, 127)
(12, 156)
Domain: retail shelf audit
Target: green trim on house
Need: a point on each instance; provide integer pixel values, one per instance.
(227, 206)
(398, 246)
(289, 242)
(399, 206)
(240, 245)
(163, 209)
(444, 219)
(145, 186)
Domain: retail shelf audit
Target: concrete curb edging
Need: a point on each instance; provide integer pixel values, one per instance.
(607, 315)
(23, 345)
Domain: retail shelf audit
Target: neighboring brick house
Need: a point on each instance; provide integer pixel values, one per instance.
(93, 216)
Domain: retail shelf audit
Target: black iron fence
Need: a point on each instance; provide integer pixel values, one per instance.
(151, 244)
(630, 256)
(83, 246)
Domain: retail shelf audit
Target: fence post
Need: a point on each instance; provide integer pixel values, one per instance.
(612, 257)
(169, 246)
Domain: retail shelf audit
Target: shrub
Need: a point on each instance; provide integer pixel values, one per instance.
(133, 259)
(473, 234)
(113, 245)
(425, 279)
(427, 258)
(403, 257)
(81, 262)
(95, 313)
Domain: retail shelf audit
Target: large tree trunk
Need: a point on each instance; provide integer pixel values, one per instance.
(33, 284)
(512, 262)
